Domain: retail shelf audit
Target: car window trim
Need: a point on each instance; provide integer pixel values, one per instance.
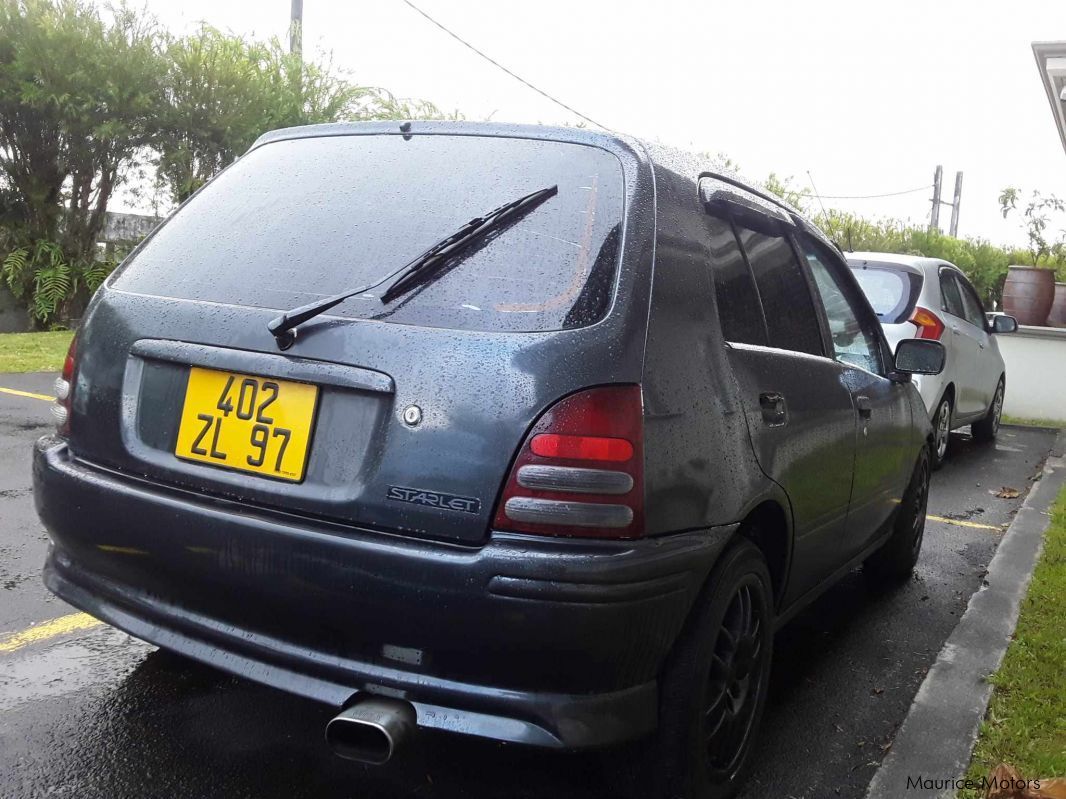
(943, 270)
(819, 307)
(723, 213)
(965, 286)
(728, 217)
(772, 226)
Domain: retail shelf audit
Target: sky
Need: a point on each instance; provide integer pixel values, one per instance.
(864, 97)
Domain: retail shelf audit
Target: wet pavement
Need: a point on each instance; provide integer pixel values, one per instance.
(95, 713)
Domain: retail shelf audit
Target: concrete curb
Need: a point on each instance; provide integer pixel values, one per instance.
(936, 739)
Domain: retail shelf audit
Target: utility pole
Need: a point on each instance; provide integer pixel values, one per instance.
(934, 216)
(954, 229)
(296, 26)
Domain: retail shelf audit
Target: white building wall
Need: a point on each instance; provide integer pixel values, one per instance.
(1036, 372)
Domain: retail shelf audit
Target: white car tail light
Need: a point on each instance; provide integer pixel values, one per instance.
(930, 326)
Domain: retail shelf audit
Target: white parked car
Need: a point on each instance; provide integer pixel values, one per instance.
(928, 298)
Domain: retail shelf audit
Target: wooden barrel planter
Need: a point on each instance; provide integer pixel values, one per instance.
(1028, 294)
(1057, 317)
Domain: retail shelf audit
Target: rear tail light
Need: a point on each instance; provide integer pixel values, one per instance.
(580, 471)
(64, 389)
(929, 324)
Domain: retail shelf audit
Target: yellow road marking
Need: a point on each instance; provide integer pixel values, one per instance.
(29, 394)
(959, 522)
(121, 550)
(48, 629)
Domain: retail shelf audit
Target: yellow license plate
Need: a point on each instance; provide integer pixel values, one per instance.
(248, 423)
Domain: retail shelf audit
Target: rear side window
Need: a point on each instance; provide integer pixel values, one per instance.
(298, 220)
(950, 296)
(891, 291)
(975, 314)
(791, 320)
(738, 301)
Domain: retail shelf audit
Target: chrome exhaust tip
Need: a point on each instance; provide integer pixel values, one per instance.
(371, 730)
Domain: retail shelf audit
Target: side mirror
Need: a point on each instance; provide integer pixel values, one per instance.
(920, 357)
(1004, 324)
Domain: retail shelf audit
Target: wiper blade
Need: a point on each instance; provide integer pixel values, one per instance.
(411, 274)
(427, 264)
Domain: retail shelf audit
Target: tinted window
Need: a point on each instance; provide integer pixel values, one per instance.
(974, 314)
(738, 302)
(891, 292)
(786, 299)
(950, 296)
(298, 220)
(852, 342)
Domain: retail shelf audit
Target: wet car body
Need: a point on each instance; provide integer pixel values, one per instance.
(385, 571)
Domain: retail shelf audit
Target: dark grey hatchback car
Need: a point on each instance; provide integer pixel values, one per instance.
(559, 429)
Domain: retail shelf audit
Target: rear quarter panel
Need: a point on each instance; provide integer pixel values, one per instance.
(700, 470)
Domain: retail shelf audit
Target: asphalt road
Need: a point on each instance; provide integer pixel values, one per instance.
(95, 713)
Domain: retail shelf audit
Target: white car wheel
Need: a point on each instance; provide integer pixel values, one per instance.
(941, 432)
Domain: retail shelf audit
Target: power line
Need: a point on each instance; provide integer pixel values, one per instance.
(810, 177)
(505, 69)
(872, 196)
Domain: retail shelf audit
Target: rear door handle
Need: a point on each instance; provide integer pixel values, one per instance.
(864, 406)
(774, 408)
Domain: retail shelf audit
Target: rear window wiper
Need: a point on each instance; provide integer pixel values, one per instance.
(283, 328)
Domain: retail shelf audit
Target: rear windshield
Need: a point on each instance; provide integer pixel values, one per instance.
(891, 291)
(298, 220)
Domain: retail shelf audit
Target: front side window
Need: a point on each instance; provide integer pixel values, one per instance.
(852, 342)
(791, 321)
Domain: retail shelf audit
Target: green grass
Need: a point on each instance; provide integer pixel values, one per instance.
(1026, 721)
(1020, 420)
(34, 352)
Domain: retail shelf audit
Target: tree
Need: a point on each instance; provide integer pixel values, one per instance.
(78, 99)
(87, 97)
(223, 92)
(1036, 218)
(782, 187)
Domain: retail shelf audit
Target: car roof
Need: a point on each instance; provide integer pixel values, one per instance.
(914, 262)
(606, 139)
(682, 162)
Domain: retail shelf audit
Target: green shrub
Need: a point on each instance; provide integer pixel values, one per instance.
(51, 286)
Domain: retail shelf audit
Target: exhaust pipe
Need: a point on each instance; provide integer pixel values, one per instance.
(371, 730)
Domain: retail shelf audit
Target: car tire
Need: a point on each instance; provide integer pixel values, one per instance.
(938, 451)
(717, 675)
(987, 428)
(896, 559)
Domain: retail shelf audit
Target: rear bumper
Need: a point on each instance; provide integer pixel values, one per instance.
(551, 642)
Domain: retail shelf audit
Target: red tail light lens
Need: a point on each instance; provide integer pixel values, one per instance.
(64, 389)
(582, 448)
(580, 471)
(929, 324)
